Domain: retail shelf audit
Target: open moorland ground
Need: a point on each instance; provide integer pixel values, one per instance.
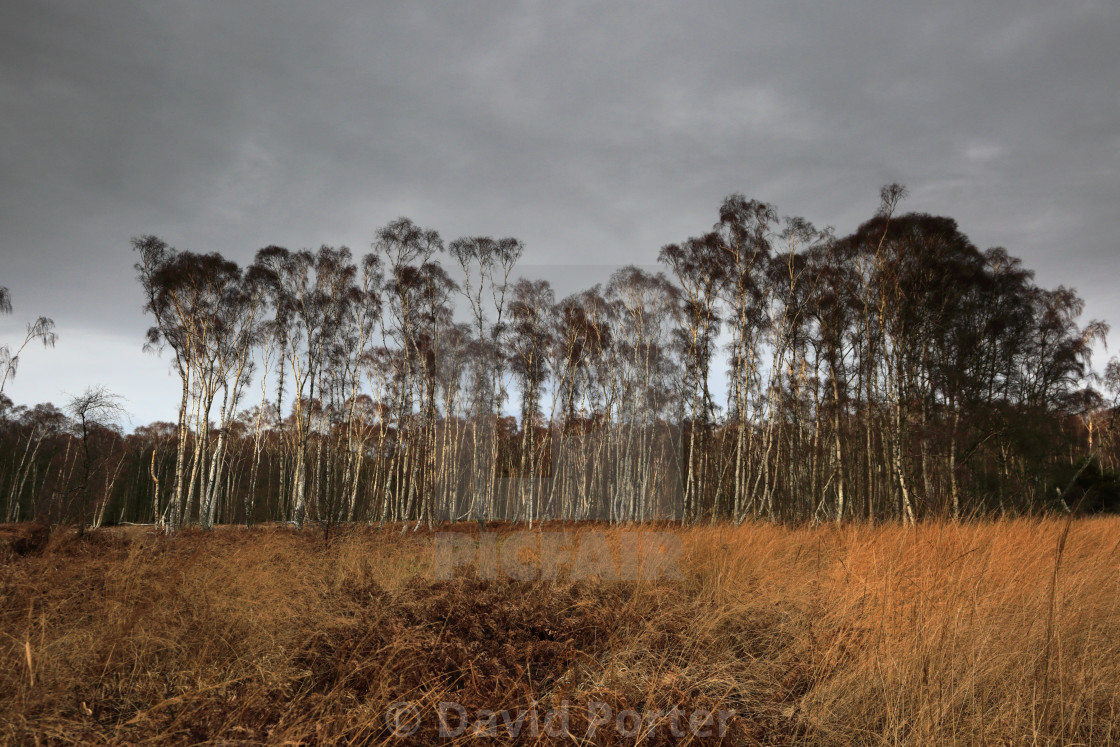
(983, 633)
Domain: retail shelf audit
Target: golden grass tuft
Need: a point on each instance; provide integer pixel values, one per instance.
(988, 633)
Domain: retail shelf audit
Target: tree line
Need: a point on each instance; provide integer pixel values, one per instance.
(769, 369)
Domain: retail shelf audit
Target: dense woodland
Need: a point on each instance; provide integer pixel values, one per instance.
(769, 370)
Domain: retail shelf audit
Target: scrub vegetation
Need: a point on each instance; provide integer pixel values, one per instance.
(1000, 632)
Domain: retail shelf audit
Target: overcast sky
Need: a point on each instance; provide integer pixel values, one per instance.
(595, 132)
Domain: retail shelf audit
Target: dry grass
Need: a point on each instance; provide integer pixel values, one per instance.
(941, 634)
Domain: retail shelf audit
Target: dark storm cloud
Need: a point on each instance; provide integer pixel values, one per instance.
(594, 131)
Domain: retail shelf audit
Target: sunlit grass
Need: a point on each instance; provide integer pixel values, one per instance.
(938, 634)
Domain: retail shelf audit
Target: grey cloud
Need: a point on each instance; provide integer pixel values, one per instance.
(594, 131)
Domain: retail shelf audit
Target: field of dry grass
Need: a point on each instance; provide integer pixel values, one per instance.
(989, 633)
